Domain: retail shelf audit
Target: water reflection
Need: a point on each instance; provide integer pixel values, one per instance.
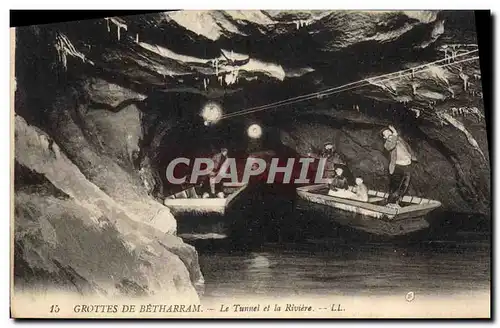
(344, 269)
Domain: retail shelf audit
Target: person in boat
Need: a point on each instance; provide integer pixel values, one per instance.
(400, 165)
(327, 150)
(333, 159)
(339, 181)
(327, 153)
(360, 190)
(339, 187)
(216, 187)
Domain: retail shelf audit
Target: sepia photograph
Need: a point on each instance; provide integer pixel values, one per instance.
(288, 164)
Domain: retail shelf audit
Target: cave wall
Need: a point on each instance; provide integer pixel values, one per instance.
(93, 225)
(90, 232)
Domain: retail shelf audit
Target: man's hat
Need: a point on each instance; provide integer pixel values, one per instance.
(382, 131)
(340, 166)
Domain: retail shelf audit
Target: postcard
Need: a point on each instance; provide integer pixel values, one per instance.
(251, 164)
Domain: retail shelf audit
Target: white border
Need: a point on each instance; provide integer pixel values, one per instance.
(190, 4)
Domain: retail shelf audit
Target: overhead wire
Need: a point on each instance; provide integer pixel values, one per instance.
(352, 85)
(338, 91)
(342, 88)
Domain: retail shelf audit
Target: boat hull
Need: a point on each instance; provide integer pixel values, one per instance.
(199, 206)
(366, 223)
(365, 216)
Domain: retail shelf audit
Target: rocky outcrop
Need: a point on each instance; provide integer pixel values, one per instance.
(89, 224)
(61, 245)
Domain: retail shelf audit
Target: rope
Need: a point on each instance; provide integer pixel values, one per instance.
(354, 85)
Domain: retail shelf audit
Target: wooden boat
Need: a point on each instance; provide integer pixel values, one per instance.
(188, 201)
(371, 216)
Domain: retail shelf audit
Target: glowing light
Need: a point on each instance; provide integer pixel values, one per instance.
(211, 112)
(254, 131)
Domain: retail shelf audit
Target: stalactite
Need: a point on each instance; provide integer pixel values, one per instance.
(446, 55)
(414, 87)
(119, 25)
(451, 91)
(416, 111)
(64, 48)
(215, 64)
(459, 125)
(464, 78)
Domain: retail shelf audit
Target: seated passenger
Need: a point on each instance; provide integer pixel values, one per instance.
(361, 191)
(339, 181)
(339, 186)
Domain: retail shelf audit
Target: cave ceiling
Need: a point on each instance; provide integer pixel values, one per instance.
(284, 53)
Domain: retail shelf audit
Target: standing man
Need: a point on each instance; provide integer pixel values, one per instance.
(400, 165)
(218, 160)
(327, 153)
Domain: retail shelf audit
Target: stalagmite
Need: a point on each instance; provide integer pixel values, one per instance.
(137, 38)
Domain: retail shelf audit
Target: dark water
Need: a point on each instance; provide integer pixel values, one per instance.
(340, 268)
(280, 251)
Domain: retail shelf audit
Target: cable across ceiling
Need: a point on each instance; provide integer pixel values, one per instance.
(359, 84)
